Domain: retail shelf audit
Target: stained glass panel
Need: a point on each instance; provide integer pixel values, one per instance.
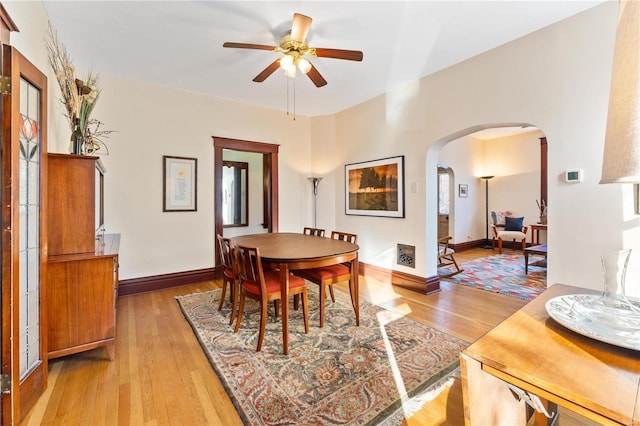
(29, 228)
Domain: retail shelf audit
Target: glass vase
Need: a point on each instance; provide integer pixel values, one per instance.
(614, 266)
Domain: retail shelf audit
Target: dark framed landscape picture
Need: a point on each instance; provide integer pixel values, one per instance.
(375, 188)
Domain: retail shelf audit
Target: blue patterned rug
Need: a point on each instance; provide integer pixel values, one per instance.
(504, 274)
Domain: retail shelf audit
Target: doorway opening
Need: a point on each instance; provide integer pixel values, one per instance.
(269, 154)
(508, 151)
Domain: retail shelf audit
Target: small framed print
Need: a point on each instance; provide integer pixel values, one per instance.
(463, 190)
(180, 186)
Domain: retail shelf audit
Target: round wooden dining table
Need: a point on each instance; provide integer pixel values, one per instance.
(291, 251)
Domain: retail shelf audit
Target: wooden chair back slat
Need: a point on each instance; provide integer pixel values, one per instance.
(313, 231)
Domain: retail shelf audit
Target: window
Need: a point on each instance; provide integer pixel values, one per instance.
(443, 192)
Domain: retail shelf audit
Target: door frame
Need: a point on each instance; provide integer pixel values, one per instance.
(270, 181)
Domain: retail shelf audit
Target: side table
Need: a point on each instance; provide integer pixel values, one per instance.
(535, 232)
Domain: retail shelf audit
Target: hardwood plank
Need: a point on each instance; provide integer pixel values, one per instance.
(161, 376)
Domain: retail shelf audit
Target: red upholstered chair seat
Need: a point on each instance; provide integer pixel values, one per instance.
(326, 273)
(228, 272)
(326, 276)
(272, 283)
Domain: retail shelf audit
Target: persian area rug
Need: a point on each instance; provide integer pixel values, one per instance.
(504, 274)
(341, 374)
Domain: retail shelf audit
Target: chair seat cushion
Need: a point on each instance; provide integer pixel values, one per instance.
(330, 272)
(511, 235)
(228, 272)
(272, 282)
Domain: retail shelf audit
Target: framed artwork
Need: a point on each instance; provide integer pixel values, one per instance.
(375, 188)
(180, 184)
(463, 190)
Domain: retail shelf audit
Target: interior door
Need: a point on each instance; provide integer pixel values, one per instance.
(24, 147)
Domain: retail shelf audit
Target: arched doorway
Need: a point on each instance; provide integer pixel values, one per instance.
(469, 196)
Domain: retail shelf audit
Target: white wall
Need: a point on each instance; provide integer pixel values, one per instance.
(556, 79)
(515, 163)
(31, 19)
(325, 165)
(467, 215)
(153, 121)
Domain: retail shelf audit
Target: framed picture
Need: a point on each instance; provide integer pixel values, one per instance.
(180, 185)
(463, 190)
(375, 188)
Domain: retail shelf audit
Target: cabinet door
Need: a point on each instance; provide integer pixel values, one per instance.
(81, 304)
(71, 211)
(96, 314)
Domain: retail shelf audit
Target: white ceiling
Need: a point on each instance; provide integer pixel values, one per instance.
(179, 43)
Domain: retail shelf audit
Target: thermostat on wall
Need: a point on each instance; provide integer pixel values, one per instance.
(573, 176)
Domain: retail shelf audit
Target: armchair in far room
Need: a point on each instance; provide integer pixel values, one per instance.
(508, 229)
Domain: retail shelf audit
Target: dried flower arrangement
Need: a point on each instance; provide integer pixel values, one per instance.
(542, 207)
(78, 97)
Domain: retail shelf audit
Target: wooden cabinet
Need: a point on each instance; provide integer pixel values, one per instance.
(82, 270)
(82, 294)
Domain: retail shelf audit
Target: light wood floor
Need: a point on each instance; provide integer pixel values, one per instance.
(161, 376)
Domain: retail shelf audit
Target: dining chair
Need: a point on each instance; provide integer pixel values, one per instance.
(264, 286)
(313, 231)
(326, 276)
(229, 275)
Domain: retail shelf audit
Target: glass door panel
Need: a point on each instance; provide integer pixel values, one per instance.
(29, 241)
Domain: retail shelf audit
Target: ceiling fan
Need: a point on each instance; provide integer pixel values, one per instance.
(294, 47)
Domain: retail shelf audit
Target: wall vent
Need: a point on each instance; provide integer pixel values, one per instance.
(406, 255)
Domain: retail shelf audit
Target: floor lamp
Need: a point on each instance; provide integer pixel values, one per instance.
(486, 211)
(315, 181)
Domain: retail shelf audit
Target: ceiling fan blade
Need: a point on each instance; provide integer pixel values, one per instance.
(300, 27)
(248, 46)
(315, 76)
(267, 71)
(350, 55)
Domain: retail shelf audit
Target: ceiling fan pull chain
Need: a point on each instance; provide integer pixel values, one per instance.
(294, 99)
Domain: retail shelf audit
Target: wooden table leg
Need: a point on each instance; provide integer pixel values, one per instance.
(526, 262)
(284, 302)
(354, 289)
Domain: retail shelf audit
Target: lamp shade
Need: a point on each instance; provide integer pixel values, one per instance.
(621, 161)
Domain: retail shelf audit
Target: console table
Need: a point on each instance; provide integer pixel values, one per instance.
(531, 351)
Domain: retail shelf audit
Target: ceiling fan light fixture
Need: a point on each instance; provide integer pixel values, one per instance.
(293, 47)
(287, 63)
(290, 72)
(304, 65)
